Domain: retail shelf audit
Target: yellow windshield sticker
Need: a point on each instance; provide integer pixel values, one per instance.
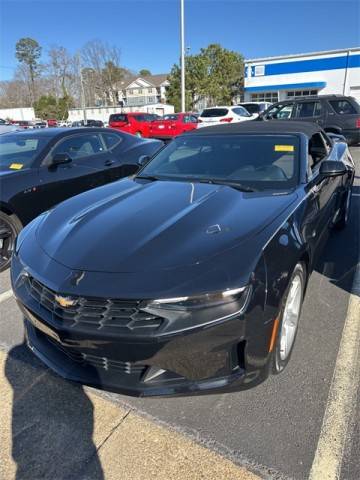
(16, 166)
(284, 148)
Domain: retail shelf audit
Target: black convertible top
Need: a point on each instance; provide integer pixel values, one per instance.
(261, 127)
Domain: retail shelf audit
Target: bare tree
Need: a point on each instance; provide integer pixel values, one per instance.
(101, 63)
(62, 70)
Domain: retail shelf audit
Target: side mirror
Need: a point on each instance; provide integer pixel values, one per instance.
(143, 160)
(331, 168)
(60, 158)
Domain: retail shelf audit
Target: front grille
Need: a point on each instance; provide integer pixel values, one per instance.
(119, 316)
(96, 361)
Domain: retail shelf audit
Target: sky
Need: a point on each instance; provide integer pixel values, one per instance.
(147, 31)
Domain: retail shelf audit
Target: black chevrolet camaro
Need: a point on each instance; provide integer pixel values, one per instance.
(188, 277)
(40, 168)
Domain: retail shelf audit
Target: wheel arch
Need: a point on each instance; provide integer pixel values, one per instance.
(333, 129)
(6, 208)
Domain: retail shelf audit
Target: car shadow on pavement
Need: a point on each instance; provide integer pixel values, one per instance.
(52, 423)
(340, 256)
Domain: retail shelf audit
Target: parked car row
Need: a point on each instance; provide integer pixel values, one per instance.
(169, 126)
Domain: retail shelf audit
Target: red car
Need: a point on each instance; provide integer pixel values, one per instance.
(174, 124)
(137, 123)
(51, 122)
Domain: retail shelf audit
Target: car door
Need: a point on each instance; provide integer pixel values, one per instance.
(309, 111)
(123, 158)
(322, 193)
(90, 160)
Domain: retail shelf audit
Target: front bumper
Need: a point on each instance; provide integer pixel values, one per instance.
(223, 356)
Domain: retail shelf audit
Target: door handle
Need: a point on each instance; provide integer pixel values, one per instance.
(109, 162)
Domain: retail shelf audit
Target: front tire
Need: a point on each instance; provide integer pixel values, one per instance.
(10, 226)
(289, 318)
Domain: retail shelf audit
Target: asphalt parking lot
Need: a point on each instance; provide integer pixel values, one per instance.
(282, 429)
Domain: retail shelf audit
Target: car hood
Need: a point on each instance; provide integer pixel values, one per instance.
(132, 225)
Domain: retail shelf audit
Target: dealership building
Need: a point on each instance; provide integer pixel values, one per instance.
(273, 79)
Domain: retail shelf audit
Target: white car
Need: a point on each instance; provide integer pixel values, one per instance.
(255, 108)
(219, 115)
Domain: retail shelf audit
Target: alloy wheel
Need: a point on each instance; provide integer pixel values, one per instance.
(291, 317)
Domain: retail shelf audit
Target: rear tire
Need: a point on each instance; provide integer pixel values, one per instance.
(10, 226)
(289, 318)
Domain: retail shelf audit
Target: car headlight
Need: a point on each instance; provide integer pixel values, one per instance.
(207, 300)
(182, 313)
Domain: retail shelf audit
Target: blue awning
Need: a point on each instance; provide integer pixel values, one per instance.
(286, 86)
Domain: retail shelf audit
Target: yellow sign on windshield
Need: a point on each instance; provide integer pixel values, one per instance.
(284, 148)
(16, 166)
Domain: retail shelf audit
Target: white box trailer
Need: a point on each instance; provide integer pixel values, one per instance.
(103, 113)
(18, 113)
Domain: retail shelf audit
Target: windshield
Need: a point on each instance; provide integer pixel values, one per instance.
(252, 107)
(255, 161)
(170, 117)
(118, 117)
(18, 152)
(214, 112)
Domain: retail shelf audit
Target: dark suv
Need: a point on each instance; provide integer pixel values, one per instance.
(335, 113)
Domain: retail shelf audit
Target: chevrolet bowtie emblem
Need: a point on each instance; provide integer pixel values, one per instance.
(65, 301)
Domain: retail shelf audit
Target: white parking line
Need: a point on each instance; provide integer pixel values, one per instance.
(341, 401)
(5, 295)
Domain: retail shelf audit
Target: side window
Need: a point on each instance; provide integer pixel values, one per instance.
(317, 150)
(186, 119)
(308, 109)
(79, 146)
(342, 107)
(111, 140)
(285, 112)
(280, 112)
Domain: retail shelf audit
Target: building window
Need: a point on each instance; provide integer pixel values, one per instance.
(271, 97)
(140, 91)
(150, 90)
(300, 93)
(131, 92)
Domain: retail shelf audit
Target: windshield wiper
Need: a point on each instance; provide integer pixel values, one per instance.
(236, 185)
(148, 177)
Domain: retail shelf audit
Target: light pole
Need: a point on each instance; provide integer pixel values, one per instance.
(182, 56)
(82, 89)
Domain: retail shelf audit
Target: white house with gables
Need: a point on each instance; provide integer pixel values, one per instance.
(140, 91)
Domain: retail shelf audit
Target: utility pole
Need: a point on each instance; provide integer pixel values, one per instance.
(82, 90)
(182, 56)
